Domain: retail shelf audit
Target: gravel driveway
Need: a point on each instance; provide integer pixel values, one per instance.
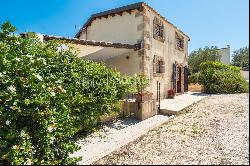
(213, 131)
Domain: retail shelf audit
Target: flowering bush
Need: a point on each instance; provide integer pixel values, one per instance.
(171, 93)
(46, 96)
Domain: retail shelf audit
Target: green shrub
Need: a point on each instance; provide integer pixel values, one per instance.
(194, 78)
(46, 96)
(220, 78)
(139, 83)
(218, 66)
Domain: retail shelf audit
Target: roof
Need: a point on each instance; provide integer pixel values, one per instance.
(93, 43)
(138, 6)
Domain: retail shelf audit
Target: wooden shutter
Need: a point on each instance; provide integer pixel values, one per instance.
(174, 76)
(162, 32)
(154, 64)
(162, 67)
(185, 78)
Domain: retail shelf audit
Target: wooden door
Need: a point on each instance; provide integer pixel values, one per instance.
(178, 79)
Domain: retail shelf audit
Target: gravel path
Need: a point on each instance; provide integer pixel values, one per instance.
(214, 131)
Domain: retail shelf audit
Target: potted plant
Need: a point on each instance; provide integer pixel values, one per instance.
(141, 82)
(171, 93)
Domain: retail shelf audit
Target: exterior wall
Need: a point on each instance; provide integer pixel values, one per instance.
(225, 55)
(167, 50)
(245, 74)
(128, 63)
(133, 28)
(86, 49)
(118, 29)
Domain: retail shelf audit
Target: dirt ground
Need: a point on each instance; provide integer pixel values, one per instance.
(213, 131)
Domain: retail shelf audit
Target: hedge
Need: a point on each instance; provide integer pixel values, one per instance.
(47, 94)
(217, 77)
(194, 78)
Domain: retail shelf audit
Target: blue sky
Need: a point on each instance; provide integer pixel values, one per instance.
(207, 22)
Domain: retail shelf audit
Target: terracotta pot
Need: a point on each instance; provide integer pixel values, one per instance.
(142, 97)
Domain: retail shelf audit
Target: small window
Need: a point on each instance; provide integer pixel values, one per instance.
(179, 41)
(158, 65)
(158, 30)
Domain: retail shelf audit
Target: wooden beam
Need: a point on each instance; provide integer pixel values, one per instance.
(141, 9)
(129, 11)
(120, 13)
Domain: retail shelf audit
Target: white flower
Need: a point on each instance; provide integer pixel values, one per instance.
(14, 147)
(58, 81)
(63, 47)
(7, 122)
(28, 162)
(29, 56)
(52, 139)
(17, 59)
(12, 88)
(33, 151)
(52, 93)
(23, 134)
(2, 74)
(40, 78)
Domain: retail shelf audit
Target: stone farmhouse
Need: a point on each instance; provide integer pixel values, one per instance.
(136, 39)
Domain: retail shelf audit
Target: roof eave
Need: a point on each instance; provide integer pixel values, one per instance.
(93, 43)
(122, 9)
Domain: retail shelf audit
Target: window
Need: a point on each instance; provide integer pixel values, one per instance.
(179, 42)
(158, 65)
(158, 30)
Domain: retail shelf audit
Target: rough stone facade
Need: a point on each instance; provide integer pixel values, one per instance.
(162, 45)
(166, 49)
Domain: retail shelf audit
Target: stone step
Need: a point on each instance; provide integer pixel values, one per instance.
(168, 112)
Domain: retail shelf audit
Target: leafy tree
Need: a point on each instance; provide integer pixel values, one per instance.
(202, 55)
(241, 58)
(46, 96)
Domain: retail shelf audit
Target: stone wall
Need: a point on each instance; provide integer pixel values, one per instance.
(165, 49)
(140, 111)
